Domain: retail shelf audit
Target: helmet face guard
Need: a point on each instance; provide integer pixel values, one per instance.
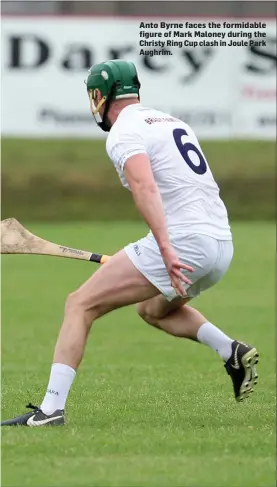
(102, 123)
(93, 108)
(115, 80)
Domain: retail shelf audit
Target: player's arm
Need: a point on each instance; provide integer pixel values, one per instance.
(146, 195)
(147, 198)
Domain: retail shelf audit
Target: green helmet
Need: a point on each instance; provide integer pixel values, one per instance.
(116, 80)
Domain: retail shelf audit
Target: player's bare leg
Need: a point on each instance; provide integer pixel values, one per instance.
(117, 283)
(180, 320)
(172, 317)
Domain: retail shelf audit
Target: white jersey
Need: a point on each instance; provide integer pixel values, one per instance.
(190, 195)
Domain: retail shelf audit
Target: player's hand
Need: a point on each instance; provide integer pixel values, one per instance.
(174, 266)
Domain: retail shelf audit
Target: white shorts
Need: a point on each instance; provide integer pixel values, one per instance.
(209, 257)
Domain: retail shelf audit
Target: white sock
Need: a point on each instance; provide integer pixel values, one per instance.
(59, 385)
(213, 337)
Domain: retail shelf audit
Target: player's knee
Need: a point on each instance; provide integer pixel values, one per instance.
(141, 310)
(76, 305)
(144, 312)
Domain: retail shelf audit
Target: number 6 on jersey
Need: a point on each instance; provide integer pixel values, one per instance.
(184, 150)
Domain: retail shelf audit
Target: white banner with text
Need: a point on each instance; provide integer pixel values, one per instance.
(218, 76)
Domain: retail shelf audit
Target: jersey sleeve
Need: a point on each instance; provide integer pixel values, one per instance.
(124, 143)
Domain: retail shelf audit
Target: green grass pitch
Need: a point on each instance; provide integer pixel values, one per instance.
(146, 409)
